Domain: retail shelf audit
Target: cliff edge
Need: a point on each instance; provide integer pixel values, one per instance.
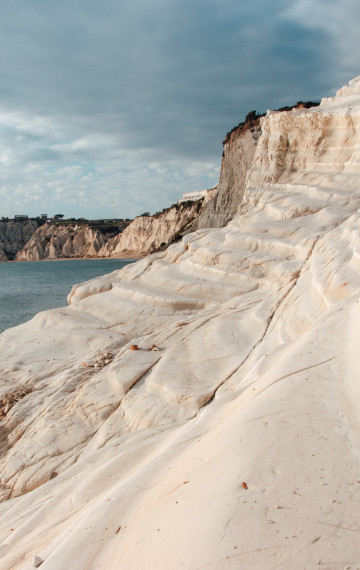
(239, 150)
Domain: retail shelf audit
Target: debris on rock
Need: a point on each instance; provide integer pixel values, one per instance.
(9, 400)
(100, 361)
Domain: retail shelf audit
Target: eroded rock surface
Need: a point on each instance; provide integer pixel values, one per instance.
(56, 242)
(239, 151)
(235, 444)
(14, 235)
(146, 234)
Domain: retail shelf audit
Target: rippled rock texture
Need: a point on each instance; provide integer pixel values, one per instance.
(234, 444)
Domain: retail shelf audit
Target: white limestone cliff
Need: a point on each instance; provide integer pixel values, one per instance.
(223, 430)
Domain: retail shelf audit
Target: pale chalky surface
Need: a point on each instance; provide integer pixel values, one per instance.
(230, 438)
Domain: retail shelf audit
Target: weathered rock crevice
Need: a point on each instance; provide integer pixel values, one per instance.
(14, 235)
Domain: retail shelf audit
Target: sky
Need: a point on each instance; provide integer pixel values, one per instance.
(109, 108)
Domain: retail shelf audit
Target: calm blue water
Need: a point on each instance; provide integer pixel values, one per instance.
(28, 287)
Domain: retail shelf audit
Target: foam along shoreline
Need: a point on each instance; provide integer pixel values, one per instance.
(234, 444)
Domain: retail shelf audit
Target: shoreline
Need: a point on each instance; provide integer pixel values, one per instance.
(89, 258)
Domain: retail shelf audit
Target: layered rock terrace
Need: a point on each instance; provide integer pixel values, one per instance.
(234, 444)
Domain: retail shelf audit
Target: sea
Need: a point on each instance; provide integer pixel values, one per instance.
(28, 287)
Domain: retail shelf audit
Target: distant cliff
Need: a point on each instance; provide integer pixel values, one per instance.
(147, 234)
(13, 236)
(56, 242)
(143, 235)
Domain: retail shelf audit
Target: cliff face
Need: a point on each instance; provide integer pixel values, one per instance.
(56, 242)
(146, 234)
(239, 150)
(212, 386)
(14, 235)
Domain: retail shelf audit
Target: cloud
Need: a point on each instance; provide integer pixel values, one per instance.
(94, 95)
(90, 176)
(340, 21)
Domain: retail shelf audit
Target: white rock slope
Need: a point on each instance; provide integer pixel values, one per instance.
(230, 438)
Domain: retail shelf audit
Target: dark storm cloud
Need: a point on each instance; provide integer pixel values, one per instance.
(165, 74)
(116, 86)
